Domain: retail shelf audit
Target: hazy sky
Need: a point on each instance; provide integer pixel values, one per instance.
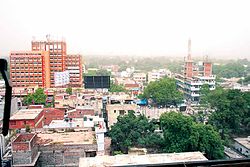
(219, 28)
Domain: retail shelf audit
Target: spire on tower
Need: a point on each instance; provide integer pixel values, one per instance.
(189, 49)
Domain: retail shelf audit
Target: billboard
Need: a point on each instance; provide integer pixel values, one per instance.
(61, 78)
(95, 82)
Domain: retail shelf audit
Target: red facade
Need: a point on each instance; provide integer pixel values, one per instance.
(52, 114)
(37, 122)
(79, 113)
(207, 68)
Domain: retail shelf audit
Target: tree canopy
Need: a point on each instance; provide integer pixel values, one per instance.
(69, 90)
(163, 92)
(117, 88)
(100, 72)
(132, 131)
(232, 109)
(182, 134)
(39, 97)
(231, 69)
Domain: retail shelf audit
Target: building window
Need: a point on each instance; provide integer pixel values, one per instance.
(121, 112)
(13, 122)
(114, 111)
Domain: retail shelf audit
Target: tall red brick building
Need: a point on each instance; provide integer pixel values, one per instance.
(38, 66)
(74, 66)
(30, 68)
(57, 51)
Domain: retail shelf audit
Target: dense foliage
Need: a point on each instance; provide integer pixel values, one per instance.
(239, 68)
(140, 63)
(116, 88)
(245, 80)
(132, 131)
(180, 134)
(101, 72)
(38, 97)
(232, 109)
(69, 90)
(163, 92)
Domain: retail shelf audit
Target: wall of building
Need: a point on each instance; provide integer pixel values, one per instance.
(67, 155)
(57, 51)
(74, 66)
(114, 110)
(33, 123)
(24, 149)
(52, 114)
(29, 68)
(243, 150)
(79, 113)
(22, 157)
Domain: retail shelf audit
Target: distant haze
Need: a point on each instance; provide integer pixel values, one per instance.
(218, 28)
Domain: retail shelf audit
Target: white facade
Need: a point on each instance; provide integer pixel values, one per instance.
(191, 87)
(140, 77)
(155, 75)
(100, 128)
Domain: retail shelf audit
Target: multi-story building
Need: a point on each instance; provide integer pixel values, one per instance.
(38, 66)
(30, 68)
(194, 76)
(74, 66)
(155, 75)
(140, 77)
(57, 51)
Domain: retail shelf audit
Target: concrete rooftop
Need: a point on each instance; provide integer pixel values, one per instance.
(26, 114)
(244, 141)
(149, 159)
(66, 138)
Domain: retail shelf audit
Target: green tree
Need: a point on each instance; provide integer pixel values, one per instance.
(132, 131)
(231, 107)
(116, 88)
(245, 81)
(163, 92)
(101, 72)
(90, 73)
(27, 128)
(182, 134)
(204, 93)
(39, 97)
(28, 99)
(69, 90)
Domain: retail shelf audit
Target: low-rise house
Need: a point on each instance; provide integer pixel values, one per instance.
(53, 114)
(24, 150)
(65, 149)
(27, 117)
(115, 110)
(80, 111)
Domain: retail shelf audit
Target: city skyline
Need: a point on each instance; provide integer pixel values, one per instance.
(140, 28)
